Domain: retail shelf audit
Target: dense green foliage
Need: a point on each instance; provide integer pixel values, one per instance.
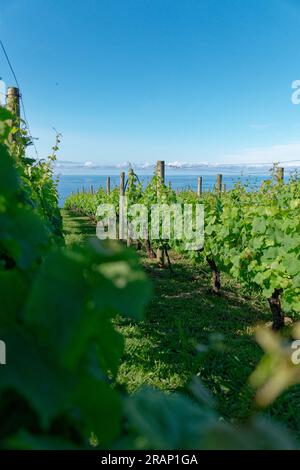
(253, 235)
(58, 304)
(56, 310)
(188, 331)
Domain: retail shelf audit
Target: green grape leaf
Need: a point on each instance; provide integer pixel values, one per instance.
(159, 418)
(13, 291)
(100, 408)
(30, 371)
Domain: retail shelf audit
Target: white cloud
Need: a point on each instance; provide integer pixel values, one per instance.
(289, 153)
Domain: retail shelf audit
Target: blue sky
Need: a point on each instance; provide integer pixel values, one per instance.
(141, 80)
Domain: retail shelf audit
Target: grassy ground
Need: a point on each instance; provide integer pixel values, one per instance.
(188, 331)
(77, 229)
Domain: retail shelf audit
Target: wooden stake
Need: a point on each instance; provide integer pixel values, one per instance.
(13, 105)
(160, 171)
(130, 176)
(219, 183)
(13, 101)
(199, 186)
(108, 185)
(122, 184)
(121, 216)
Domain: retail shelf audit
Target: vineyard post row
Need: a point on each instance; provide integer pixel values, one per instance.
(160, 173)
(160, 170)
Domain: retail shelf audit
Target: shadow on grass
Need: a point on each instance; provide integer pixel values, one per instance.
(77, 228)
(188, 331)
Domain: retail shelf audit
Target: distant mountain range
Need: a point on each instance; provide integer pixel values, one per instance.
(176, 166)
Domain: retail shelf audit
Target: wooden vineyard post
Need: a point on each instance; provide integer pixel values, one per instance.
(122, 218)
(219, 183)
(280, 174)
(13, 105)
(199, 186)
(92, 189)
(130, 176)
(13, 101)
(160, 172)
(122, 184)
(223, 188)
(108, 185)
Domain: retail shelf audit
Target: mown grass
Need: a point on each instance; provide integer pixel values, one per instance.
(188, 331)
(76, 228)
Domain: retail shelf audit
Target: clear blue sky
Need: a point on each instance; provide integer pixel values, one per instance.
(140, 80)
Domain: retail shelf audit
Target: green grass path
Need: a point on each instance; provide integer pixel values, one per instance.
(188, 331)
(76, 228)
